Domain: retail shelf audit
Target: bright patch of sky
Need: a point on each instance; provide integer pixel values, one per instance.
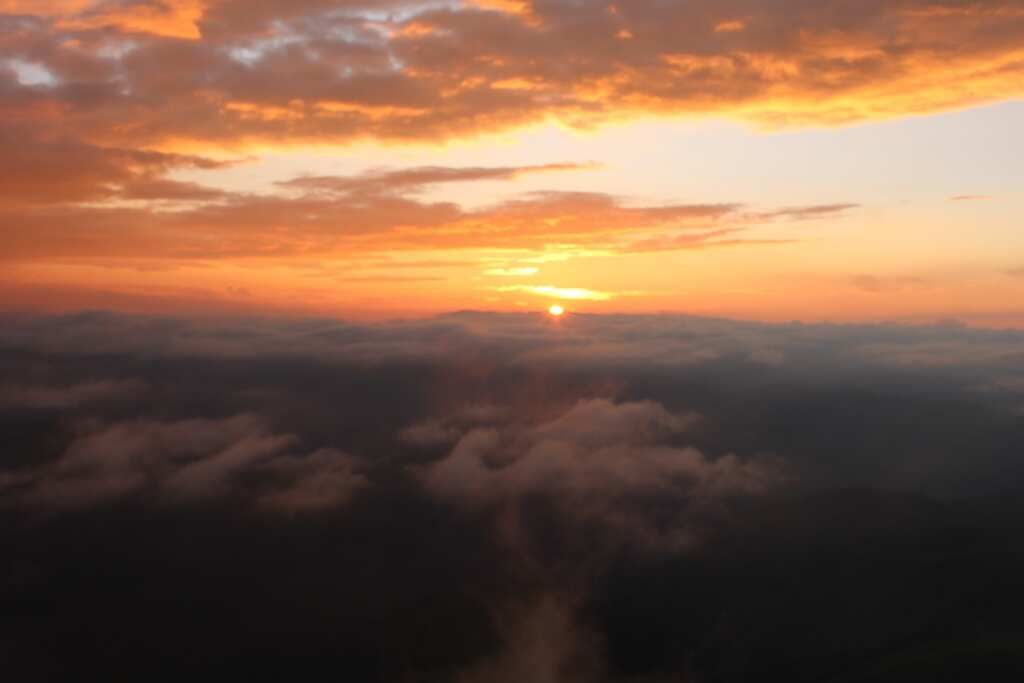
(32, 74)
(927, 159)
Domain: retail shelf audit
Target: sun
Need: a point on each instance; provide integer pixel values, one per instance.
(556, 310)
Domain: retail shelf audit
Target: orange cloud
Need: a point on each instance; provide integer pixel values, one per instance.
(229, 72)
(74, 202)
(176, 19)
(45, 8)
(54, 172)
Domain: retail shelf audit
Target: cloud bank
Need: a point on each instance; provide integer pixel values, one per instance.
(226, 72)
(486, 497)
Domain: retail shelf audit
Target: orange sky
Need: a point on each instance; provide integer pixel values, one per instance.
(785, 160)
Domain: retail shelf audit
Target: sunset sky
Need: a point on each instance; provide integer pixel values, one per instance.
(512, 341)
(818, 160)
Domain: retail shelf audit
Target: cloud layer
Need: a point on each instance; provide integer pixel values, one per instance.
(480, 497)
(225, 71)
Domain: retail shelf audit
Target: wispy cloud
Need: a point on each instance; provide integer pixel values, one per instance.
(89, 214)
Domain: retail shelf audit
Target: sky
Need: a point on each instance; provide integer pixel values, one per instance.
(370, 159)
(505, 341)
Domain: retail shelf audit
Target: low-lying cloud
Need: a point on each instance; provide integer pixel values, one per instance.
(196, 460)
(486, 497)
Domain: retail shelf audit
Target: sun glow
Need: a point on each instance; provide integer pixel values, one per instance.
(556, 311)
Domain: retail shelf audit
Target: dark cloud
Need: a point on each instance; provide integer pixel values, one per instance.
(35, 396)
(186, 461)
(603, 464)
(483, 497)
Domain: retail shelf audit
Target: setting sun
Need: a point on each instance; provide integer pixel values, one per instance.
(557, 311)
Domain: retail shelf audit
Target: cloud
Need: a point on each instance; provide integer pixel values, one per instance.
(592, 460)
(486, 497)
(208, 477)
(170, 190)
(82, 215)
(709, 239)
(543, 643)
(634, 341)
(152, 17)
(38, 171)
(124, 73)
(449, 429)
(807, 212)
(13, 396)
(415, 179)
(430, 432)
(189, 461)
(322, 480)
